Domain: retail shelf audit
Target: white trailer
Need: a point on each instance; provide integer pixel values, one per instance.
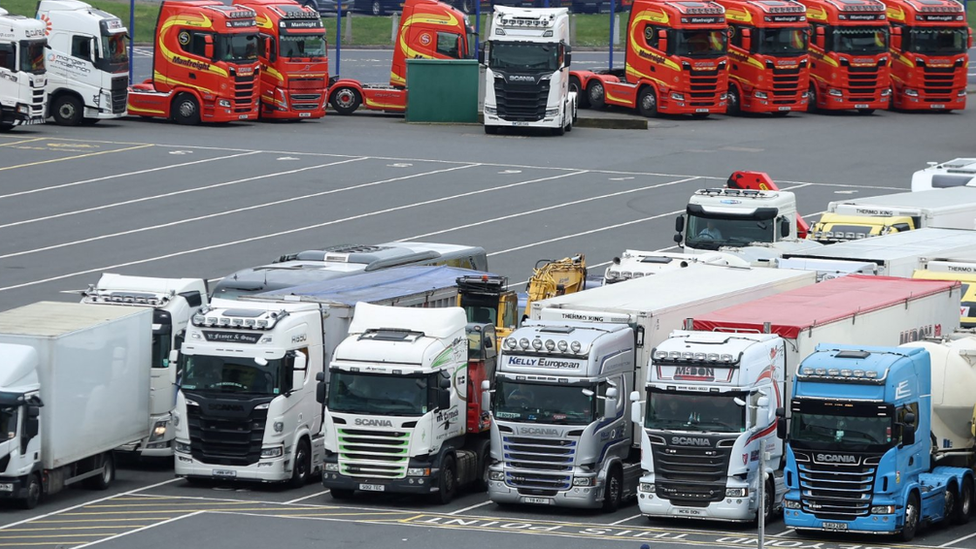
(22, 79)
(637, 263)
(898, 254)
(954, 173)
(697, 368)
(73, 386)
(88, 62)
(953, 208)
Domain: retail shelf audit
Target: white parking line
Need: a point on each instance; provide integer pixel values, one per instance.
(469, 508)
(126, 174)
(293, 231)
(621, 521)
(317, 494)
(955, 541)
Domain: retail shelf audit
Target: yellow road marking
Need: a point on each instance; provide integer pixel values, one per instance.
(87, 155)
(101, 513)
(168, 504)
(75, 528)
(22, 141)
(77, 542)
(278, 514)
(60, 536)
(89, 520)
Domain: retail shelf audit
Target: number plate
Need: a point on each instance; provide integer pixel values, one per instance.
(702, 110)
(242, 116)
(304, 114)
(372, 487)
(6, 487)
(861, 106)
(937, 107)
(835, 526)
(519, 123)
(681, 511)
(540, 501)
(786, 108)
(224, 473)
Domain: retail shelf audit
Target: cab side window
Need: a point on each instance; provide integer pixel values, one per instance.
(736, 39)
(8, 57)
(81, 47)
(447, 44)
(650, 36)
(195, 43)
(903, 411)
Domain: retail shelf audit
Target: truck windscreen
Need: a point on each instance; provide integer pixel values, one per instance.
(860, 40)
(32, 56)
(236, 48)
(936, 41)
(524, 56)
(235, 375)
(700, 43)
(301, 46)
(115, 51)
(538, 403)
(676, 411)
(826, 425)
(715, 231)
(379, 394)
(784, 42)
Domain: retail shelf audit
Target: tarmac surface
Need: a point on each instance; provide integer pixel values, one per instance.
(157, 199)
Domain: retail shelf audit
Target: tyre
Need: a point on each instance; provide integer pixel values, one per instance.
(467, 6)
(812, 98)
(491, 130)
(67, 110)
(964, 503)
(569, 125)
(376, 8)
(103, 480)
(484, 460)
(613, 491)
(581, 98)
(595, 95)
(561, 130)
(769, 496)
(735, 101)
(186, 110)
(865, 112)
(912, 510)
(4, 128)
(345, 100)
(303, 465)
(341, 493)
(33, 492)
(447, 484)
(647, 102)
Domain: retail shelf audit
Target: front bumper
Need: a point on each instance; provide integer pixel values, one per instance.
(872, 524)
(146, 449)
(729, 509)
(13, 118)
(578, 497)
(18, 488)
(266, 470)
(547, 122)
(406, 485)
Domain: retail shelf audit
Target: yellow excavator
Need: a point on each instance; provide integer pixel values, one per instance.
(555, 277)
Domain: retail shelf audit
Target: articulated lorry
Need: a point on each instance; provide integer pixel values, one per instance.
(769, 65)
(88, 62)
(23, 81)
(527, 59)
(879, 215)
(246, 408)
(173, 302)
(675, 62)
(712, 393)
(403, 412)
(959, 269)
(308, 266)
(860, 457)
(586, 347)
(294, 78)
(850, 63)
(942, 175)
(428, 30)
(73, 386)
(206, 66)
(930, 40)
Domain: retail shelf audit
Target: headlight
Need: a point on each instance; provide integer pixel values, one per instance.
(791, 504)
(182, 448)
(646, 487)
(911, 93)
(496, 475)
(418, 472)
(887, 91)
(736, 492)
(677, 96)
(575, 346)
(552, 112)
(583, 481)
(332, 467)
(883, 510)
(223, 103)
(272, 452)
(159, 431)
(491, 110)
(761, 95)
(23, 109)
(835, 92)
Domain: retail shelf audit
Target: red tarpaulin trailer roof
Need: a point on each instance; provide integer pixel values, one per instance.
(818, 304)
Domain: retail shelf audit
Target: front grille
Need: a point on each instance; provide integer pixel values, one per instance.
(307, 83)
(378, 454)
(120, 92)
(832, 491)
(939, 81)
(306, 96)
(244, 92)
(863, 82)
(703, 87)
(690, 476)
(521, 103)
(533, 464)
(226, 441)
(786, 82)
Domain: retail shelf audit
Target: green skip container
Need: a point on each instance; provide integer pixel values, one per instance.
(442, 90)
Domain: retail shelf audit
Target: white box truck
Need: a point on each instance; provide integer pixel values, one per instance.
(691, 420)
(898, 254)
(73, 386)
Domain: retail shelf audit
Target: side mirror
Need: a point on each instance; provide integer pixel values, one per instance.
(763, 403)
(485, 396)
(269, 47)
(819, 38)
(208, 46)
(569, 59)
(444, 382)
(443, 399)
(896, 38)
(193, 299)
(298, 371)
(970, 45)
(174, 356)
(781, 427)
(781, 412)
(481, 57)
(610, 402)
(635, 407)
(679, 223)
(662, 40)
(746, 39)
(322, 389)
(784, 227)
(907, 434)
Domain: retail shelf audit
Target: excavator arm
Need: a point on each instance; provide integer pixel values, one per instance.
(760, 181)
(551, 278)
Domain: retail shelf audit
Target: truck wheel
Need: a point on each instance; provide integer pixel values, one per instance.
(67, 110)
(303, 464)
(812, 98)
(377, 7)
(581, 99)
(769, 496)
(735, 101)
(345, 100)
(561, 130)
(613, 492)
(102, 481)
(595, 95)
(186, 110)
(33, 492)
(911, 518)
(964, 503)
(491, 130)
(647, 102)
(341, 493)
(484, 460)
(447, 485)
